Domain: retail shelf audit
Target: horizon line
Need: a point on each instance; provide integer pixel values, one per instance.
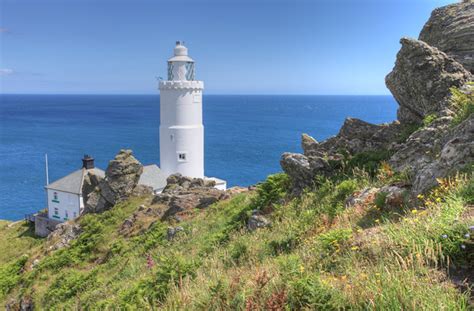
(212, 94)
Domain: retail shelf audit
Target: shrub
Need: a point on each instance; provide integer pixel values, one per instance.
(238, 252)
(345, 189)
(10, 274)
(429, 119)
(271, 191)
(463, 103)
(379, 199)
(368, 161)
(308, 292)
(332, 239)
(68, 285)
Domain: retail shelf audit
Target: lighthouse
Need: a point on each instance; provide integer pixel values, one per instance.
(181, 128)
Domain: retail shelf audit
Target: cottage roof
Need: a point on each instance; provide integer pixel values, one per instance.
(153, 177)
(72, 183)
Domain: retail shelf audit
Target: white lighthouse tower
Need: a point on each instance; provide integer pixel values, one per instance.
(181, 129)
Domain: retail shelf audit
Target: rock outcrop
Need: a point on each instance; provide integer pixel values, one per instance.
(120, 182)
(183, 193)
(64, 234)
(451, 30)
(421, 79)
(420, 82)
(257, 220)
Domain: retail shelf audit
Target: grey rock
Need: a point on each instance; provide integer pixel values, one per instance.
(142, 190)
(120, 182)
(421, 79)
(456, 151)
(21, 304)
(173, 231)
(299, 169)
(451, 30)
(361, 197)
(257, 220)
(183, 193)
(395, 196)
(64, 234)
(91, 191)
(309, 145)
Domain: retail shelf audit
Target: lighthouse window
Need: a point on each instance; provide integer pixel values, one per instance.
(181, 157)
(189, 71)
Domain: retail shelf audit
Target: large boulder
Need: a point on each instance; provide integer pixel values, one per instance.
(457, 151)
(184, 193)
(122, 176)
(120, 182)
(63, 235)
(421, 79)
(451, 30)
(302, 169)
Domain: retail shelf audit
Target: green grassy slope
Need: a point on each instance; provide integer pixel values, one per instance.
(316, 255)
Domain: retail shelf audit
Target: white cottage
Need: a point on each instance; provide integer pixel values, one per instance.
(65, 195)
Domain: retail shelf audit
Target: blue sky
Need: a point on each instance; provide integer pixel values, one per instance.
(241, 47)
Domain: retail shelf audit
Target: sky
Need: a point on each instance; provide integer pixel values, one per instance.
(339, 47)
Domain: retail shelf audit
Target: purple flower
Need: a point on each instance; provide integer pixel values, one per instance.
(444, 236)
(467, 235)
(463, 246)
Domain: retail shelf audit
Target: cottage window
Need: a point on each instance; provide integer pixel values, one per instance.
(56, 211)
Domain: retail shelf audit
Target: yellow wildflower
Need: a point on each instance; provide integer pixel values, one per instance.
(354, 248)
(414, 211)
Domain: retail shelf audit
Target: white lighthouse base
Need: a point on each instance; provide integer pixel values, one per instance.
(220, 184)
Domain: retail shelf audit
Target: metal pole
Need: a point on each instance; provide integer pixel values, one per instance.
(46, 168)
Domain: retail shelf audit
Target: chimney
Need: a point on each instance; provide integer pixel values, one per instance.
(87, 162)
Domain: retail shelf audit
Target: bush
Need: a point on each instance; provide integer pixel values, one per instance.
(238, 252)
(68, 285)
(345, 189)
(368, 161)
(332, 239)
(379, 199)
(463, 103)
(429, 119)
(271, 191)
(308, 292)
(10, 274)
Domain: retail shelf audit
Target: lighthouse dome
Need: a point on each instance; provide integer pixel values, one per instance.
(180, 53)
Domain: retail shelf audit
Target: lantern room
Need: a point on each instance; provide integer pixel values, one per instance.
(180, 66)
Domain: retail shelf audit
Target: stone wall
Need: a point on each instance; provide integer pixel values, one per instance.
(44, 226)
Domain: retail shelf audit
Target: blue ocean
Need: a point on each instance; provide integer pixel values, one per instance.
(244, 135)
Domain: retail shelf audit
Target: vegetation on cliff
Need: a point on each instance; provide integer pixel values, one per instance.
(317, 253)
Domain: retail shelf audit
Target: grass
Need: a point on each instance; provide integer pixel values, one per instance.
(462, 103)
(317, 254)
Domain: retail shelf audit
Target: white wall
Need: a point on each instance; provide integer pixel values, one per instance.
(67, 205)
(181, 129)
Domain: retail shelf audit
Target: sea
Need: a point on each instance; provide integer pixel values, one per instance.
(245, 135)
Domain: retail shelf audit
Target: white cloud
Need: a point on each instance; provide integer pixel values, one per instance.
(6, 71)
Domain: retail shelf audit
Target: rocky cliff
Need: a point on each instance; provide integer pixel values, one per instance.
(422, 82)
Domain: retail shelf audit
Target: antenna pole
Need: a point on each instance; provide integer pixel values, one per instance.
(46, 168)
